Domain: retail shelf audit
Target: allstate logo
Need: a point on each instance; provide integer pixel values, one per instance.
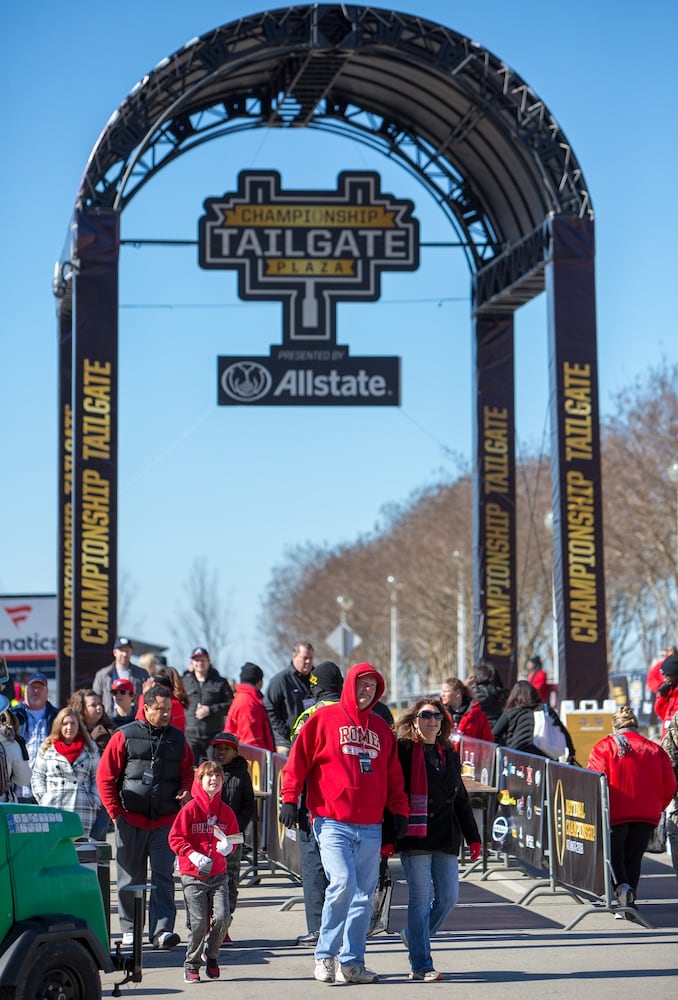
(246, 381)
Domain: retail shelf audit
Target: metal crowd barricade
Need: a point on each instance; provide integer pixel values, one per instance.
(553, 820)
(478, 769)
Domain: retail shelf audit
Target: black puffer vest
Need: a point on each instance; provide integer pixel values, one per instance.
(152, 775)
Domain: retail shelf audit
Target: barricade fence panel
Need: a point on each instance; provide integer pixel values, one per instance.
(578, 833)
(259, 765)
(282, 844)
(478, 759)
(519, 828)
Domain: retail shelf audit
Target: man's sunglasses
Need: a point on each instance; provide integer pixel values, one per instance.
(430, 715)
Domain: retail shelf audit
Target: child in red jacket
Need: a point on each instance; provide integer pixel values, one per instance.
(201, 836)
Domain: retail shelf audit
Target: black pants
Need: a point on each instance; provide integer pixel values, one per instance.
(629, 841)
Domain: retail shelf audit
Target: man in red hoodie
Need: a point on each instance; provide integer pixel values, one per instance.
(347, 755)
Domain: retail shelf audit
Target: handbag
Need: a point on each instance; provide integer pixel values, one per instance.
(548, 736)
(381, 903)
(657, 843)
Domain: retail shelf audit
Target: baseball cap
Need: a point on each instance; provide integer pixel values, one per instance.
(228, 738)
(199, 651)
(122, 641)
(122, 684)
(38, 678)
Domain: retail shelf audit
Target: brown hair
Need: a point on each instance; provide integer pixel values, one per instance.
(406, 729)
(169, 677)
(55, 731)
(523, 695)
(209, 767)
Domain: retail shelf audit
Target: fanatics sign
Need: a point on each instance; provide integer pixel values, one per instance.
(310, 250)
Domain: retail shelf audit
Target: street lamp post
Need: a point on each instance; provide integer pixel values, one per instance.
(672, 476)
(461, 618)
(345, 605)
(548, 524)
(393, 585)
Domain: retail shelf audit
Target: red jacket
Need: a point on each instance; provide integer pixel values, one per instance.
(248, 718)
(540, 683)
(193, 830)
(641, 783)
(348, 759)
(475, 723)
(666, 706)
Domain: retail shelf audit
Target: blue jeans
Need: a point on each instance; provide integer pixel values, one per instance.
(350, 856)
(433, 886)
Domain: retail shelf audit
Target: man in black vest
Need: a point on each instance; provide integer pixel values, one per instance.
(144, 777)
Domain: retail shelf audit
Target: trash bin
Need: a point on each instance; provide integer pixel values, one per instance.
(97, 855)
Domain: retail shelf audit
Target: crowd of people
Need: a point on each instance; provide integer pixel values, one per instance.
(152, 758)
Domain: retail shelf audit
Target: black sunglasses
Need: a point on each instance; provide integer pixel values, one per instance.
(430, 715)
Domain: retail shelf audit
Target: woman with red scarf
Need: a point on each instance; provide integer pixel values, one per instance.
(64, 774)
(440, 813)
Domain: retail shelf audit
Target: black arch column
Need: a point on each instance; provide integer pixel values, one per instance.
(575, 460)
(494, 505)
(88, 552)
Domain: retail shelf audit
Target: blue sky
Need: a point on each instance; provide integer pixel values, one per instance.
(238, 486)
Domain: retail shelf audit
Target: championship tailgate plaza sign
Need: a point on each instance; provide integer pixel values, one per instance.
(310, 250)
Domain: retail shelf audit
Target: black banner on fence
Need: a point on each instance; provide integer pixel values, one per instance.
(577, 834)
(519, 827)
(282, 844)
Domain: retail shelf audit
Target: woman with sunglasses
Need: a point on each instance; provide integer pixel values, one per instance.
(440, 813)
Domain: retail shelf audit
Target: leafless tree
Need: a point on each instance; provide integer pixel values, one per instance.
(425, 543)
(202, 616)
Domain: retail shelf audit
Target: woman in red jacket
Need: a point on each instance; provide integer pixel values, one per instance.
(641, 784)
(666, 702)
(465, 713)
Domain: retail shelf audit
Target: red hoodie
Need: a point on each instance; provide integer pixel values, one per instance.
(193, 830)
(327, 755)
(248, 718)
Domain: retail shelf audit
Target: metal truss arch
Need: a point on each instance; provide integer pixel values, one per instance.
(453, 114)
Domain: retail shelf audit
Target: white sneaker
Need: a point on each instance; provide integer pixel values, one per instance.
(351, 973)
(324, 970)
(127, 939)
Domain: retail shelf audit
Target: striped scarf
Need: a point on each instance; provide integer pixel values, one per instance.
(418, 818)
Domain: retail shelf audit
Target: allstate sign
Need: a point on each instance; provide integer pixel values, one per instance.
(310, 250)
(275, 382)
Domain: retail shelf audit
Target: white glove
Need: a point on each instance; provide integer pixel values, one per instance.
(224, 848)
(199, 860)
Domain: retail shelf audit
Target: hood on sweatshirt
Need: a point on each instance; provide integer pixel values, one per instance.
(348, 695)
(209, 804)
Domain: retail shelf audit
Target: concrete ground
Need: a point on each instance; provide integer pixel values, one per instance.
(490, 945)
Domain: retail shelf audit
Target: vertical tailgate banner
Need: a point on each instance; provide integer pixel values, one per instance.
(64, 650)
(95, 443)
(577, 833)
(575, 461)
(494, 507)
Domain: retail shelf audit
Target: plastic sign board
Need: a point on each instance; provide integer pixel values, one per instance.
(309, 250)
(28, 630)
